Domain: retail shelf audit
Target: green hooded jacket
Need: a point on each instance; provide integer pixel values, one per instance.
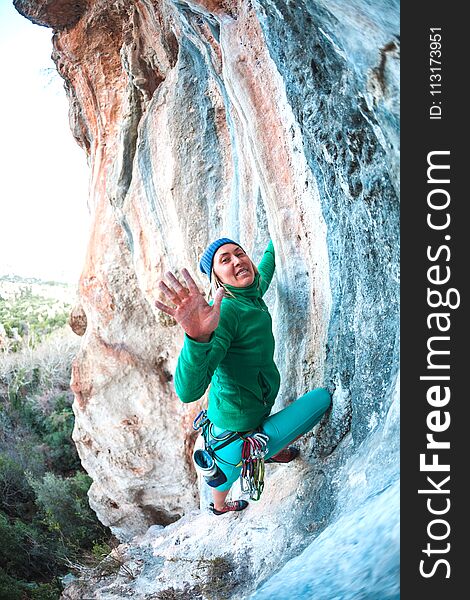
(237, 360)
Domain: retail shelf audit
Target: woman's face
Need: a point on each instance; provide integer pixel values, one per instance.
(232, 266)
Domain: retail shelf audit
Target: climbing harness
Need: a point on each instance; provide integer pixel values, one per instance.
(254, 449)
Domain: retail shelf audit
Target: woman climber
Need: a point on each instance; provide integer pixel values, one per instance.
(229, 344)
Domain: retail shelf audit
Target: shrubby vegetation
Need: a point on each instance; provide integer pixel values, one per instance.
(26, 316)
(46, 523)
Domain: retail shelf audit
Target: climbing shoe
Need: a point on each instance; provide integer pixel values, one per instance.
(236, 505)
(285, 455)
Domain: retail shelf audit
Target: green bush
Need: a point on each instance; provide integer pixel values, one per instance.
(16, 495)
(26, 552)
(63, 503)
(57, 434)
(41, 414)
(14, 589)
(53, 429)
(47, 591)
(11, 589)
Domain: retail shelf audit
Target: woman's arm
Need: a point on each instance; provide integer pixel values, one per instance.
(266, 267)
(209, 331)
(198, 360)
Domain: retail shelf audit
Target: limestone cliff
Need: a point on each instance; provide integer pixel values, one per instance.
(251, 119)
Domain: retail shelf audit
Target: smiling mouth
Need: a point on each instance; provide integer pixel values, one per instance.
(243, 272)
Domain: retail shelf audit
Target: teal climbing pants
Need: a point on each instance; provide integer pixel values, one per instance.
(281, 428)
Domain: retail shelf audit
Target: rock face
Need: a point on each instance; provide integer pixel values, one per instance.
(246, 119)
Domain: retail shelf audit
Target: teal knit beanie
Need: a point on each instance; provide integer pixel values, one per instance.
(207, 259)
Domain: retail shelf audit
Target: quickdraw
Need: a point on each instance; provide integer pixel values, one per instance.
(255, 448)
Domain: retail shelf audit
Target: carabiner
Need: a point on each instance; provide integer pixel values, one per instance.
(200, 420)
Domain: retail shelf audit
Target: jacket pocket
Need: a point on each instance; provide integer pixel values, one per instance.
(265, 387)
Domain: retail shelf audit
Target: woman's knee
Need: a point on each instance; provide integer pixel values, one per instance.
(323, 397)
(316, 401)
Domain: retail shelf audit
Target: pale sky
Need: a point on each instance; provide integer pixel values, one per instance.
(44, 218)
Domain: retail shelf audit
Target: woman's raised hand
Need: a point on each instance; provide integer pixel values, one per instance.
(198, 318)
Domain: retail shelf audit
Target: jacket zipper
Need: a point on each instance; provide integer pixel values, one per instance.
(264, 386)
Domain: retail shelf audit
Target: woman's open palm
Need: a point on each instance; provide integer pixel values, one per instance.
(198, 318)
